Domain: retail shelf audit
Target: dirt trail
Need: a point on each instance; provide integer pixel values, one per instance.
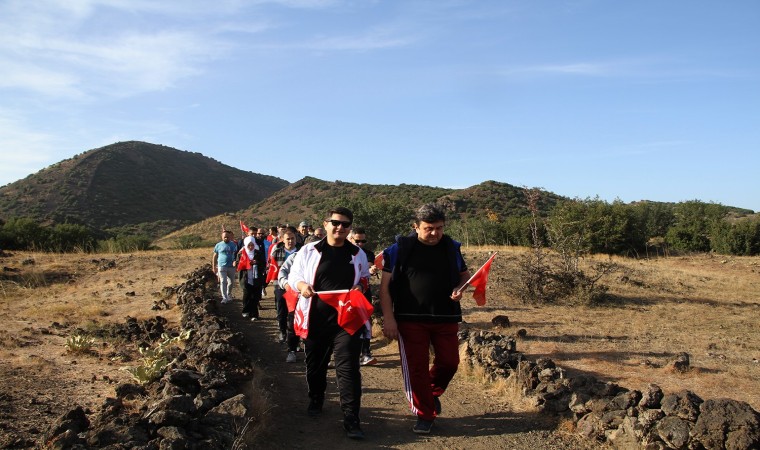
(472, 418)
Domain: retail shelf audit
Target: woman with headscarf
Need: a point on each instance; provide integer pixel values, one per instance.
(250, 271)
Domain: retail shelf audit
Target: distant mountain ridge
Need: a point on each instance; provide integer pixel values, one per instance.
(141, 188)
(129, 183)
(310, 198)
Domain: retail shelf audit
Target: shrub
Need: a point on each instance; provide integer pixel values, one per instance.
(188, 241)
(155, 360)
(79, 344)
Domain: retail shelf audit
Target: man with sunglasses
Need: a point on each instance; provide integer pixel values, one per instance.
(419, 295)
(333, 263)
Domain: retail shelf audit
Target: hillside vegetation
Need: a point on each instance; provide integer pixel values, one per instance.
(130, 183)
(385, 210)
(129, 195)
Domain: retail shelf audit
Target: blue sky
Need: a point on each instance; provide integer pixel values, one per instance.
(629, 100)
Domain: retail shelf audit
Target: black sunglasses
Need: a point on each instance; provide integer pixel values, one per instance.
(361, 241)
(335, 223)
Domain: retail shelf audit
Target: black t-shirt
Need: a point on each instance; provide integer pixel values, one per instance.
(424, 286)
(335, 271)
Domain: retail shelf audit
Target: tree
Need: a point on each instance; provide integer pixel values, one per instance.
(383, 218)
(694, 221)
(739, 238)
(22, 233)
(66, 237)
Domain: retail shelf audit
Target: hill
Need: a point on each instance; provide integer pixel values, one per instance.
(130, 183)
(310, 198)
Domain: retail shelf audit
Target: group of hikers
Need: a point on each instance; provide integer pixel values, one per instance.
(422, 278)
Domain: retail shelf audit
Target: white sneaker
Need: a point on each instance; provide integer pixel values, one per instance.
(246, 315)
(291, 358)
(367, 360)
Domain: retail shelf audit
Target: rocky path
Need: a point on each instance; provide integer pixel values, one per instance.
(472, 417)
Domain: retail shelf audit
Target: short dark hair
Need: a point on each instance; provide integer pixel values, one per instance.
(360, 230)
(342, 211)
(430, 213)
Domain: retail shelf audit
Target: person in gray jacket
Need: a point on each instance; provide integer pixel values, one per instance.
(292, 338)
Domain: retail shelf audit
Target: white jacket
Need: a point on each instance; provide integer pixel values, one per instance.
(304, 269)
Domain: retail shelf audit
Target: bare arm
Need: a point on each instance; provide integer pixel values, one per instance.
(390, 327)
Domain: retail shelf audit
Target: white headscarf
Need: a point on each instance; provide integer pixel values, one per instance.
(253, 271)
(246, 241)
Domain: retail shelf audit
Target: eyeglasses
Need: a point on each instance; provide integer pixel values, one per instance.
(335, 223)
(361, 241)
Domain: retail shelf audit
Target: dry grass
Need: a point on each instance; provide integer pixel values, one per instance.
(703, 305)
(507, 389)
(43, 303)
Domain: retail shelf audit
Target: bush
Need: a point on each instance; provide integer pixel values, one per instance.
(125, 244)
(188, 241)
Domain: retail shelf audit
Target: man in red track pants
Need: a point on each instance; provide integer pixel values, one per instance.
(419, 295)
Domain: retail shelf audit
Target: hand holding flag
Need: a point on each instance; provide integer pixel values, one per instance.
(352, 306)
(479, 281)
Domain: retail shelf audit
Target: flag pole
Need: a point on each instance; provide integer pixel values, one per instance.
(466, 284)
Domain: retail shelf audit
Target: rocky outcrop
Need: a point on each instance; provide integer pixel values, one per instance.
(194, 404)
(603, 411)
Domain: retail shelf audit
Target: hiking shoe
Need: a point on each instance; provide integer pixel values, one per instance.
(254, 319)
(225, 301)
(368, 360)
(315, 407)
(422, 426)
(291, 358)
(437, 403)
(353, 430)
(246, 315)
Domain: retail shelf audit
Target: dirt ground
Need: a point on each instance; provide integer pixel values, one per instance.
(703, 305)
(473, 417)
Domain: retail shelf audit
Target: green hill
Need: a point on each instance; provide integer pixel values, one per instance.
(133, 184)
(310, 198)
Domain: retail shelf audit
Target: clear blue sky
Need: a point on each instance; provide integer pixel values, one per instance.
(634, 100)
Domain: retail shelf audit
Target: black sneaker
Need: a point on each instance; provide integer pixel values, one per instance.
(315, 407)
(437, 403)
(353, 430)
(422, 426)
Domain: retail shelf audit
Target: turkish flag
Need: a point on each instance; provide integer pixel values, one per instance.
(272, 272)
(479, 281)
(243, 228)
(291, 298)
(379, 261)
(352, 306)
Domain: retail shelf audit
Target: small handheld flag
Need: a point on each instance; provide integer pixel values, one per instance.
(479, 281)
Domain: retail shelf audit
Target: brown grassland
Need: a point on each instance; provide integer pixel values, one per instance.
(705, 305)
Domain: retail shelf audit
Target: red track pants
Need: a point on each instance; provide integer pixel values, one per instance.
(421, 381)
